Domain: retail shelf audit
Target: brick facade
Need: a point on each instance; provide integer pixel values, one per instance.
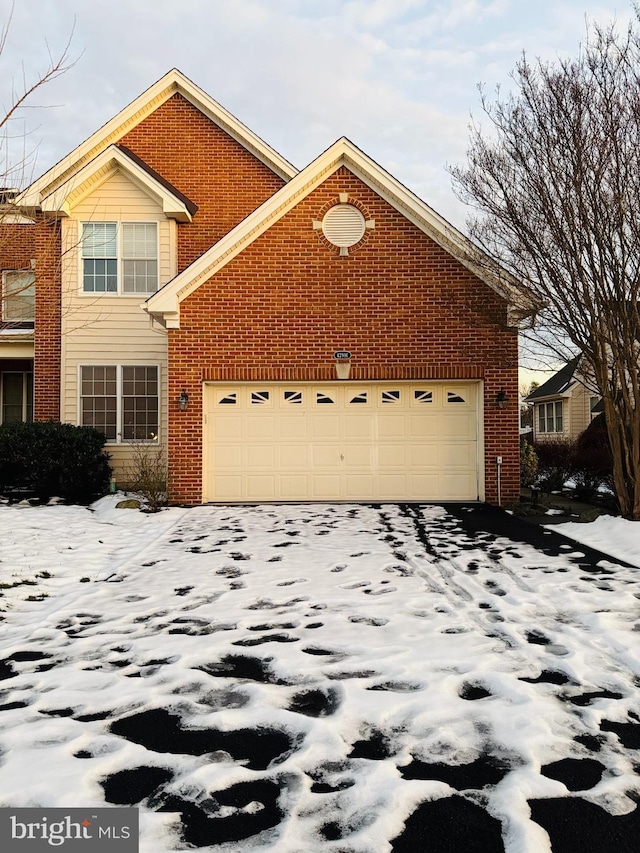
(47, 331)
(202, 161)
(17, 246)
(402, 305)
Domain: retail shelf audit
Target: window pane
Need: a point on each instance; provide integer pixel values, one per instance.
(542, 421)
(19, 297)
(99, 240)
(139, 403)
(559, 417)
(12, 397)
(98, 399)
(139, 240)
(100, 276)
(139, 276)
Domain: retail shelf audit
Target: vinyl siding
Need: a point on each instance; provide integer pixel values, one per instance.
(111, 329)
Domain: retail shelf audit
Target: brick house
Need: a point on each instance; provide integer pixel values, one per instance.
(313, 335)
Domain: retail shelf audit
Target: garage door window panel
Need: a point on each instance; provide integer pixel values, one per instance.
(422, 396)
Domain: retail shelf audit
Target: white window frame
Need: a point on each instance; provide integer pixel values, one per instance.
(7, 298)
(119, 439)
(119, 291)
(544, 408)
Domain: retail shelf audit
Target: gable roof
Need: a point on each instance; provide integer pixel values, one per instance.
(175, 204)
(559, 384)
(174, 82)
(165, 303)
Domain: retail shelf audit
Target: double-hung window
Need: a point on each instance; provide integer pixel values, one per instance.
(550, 417)
(119, 257)
(18, 296)
(122, 401)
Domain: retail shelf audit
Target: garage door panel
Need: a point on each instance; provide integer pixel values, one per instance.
(413, 441)
(359, 426)
(292, 456)
(452, 456)
(227, 456)
(423, 455)
(455, 486)
(358, 456)
(324, 426)
(392, 456)
(325, 456)
(293, 484)
(358, 487)
(259, 456)
(293, 428)
(392, 426)
(228, 428)
(263, 427)
(261, 487)
(325, 487)
(425, 426)
(462, 425)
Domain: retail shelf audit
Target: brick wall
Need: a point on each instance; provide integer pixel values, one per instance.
(402, 306)
(208, 166)
(47, 339)
(17, 246)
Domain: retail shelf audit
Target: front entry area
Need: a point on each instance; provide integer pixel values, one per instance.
(345, 441)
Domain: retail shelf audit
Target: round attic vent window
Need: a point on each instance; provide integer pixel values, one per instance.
(343, 225)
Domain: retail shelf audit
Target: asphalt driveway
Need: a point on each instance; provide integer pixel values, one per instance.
(340, 678)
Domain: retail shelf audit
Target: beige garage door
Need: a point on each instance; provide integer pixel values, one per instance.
(341, 441)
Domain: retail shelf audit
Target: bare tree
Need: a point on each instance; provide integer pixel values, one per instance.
(555, 181)
(17, 155)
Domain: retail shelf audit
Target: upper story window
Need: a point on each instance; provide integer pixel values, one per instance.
(119, 257)
(18, 296)
(550, 417)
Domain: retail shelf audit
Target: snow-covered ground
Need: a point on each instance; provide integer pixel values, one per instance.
(338, 678)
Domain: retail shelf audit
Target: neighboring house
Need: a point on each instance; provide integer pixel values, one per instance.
(313, 335)
(563, 406)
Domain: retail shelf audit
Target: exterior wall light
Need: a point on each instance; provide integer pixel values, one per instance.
(183, 401)
(502, 401)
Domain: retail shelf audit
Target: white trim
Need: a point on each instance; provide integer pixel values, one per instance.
(166, 302)
(174, 82)
(70, 193)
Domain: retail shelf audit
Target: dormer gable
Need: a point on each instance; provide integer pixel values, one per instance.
(115, 158)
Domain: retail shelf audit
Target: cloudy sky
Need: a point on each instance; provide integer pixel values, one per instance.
(398, 77)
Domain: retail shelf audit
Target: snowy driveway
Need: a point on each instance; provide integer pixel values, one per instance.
(338, 678)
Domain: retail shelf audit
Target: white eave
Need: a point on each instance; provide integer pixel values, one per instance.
(174, 82)
(165, 304)
(71, 192)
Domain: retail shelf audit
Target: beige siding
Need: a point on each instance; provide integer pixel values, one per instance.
(111, 329)
(579, 410)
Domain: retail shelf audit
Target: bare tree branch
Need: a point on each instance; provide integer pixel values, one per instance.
(555, 184)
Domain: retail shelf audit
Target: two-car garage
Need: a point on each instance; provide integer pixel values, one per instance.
(345, 441)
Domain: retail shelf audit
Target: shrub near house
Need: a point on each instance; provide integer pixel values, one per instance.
(50, 459)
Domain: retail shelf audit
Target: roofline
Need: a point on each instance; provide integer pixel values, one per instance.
(174, 205)
(343, 152)
(174, 82)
